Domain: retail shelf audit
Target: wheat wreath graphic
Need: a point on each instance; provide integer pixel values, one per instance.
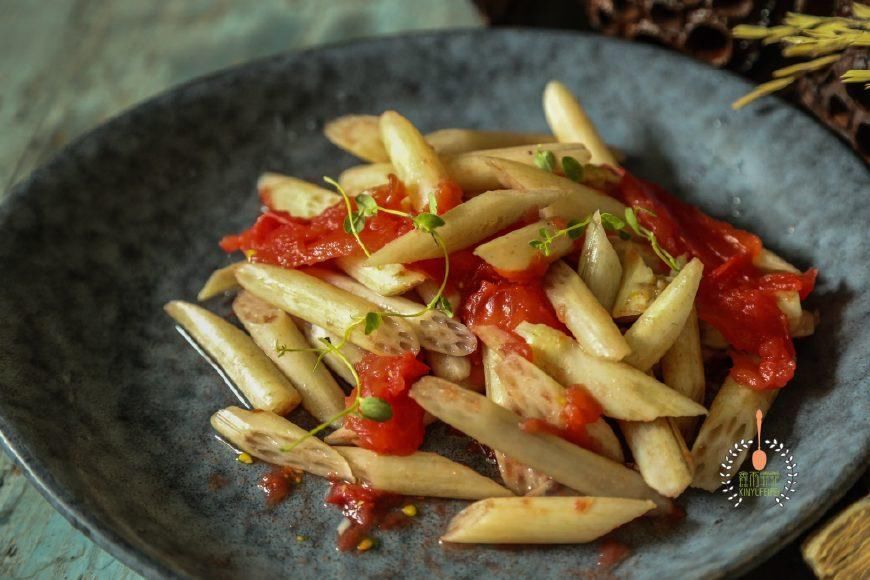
(730, 464)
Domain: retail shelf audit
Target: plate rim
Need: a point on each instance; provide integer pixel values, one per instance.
(145, 564)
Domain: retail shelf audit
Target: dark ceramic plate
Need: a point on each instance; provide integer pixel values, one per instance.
(107, 408)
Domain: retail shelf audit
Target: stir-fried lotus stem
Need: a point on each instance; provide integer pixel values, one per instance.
(359, 135)
(519, 478)
(221, 280)
(767, 261)
(250, 370)
(270, 326)
(342, 436)
(416, 163)
(465, 225)
(599, 264)
(453, 141)
(430, 289)
(315, 335)
(570, 123)
(578, 201)
(434, 330)
(533, 394)
(323, 304)
(362, 177)
(731, 419)
(471, 171)
(525, 154)
(268, 437)
(683, 371)
(496, 427)
(421, 473)
(622, 391)
(584, 316)
(800, 322)
(660, 454)
(638, 288)
(512, 253)
(387, 280)
(542, 520)
(297, 197)
(653, 333)
(448, 367)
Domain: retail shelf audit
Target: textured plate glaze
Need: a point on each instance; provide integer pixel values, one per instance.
(107, 408)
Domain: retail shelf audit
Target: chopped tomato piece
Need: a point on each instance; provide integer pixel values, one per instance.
(735, 296)
(506, 304)
(279, 239)
(447, 196)
(389, 378)
(580, 410)
(489, 298)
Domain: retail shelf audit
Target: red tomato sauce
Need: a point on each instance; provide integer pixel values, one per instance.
(447, 196)
(580, 410)
(367, 509)
(735, 297)
(278, 483)
(489, 298)
(282, 240)
(611, 553)
(390, 378)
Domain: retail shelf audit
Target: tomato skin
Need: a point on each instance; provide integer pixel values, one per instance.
(734, 296)
(282, 240)
(580, 410)
(447, 196)
(505, 304)
(389, 378)
(490, 298)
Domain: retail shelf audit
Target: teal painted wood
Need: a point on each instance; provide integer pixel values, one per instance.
(66, 66)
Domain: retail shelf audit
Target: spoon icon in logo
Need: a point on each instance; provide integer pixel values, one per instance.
(759, 457)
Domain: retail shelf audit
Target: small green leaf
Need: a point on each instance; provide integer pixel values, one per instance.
(631, 219)
(575, 233)
(427, 222)
(354, 223)
(433, 203)
(366, 204)
(376, 409)
(545, 160)
(612, 222)
(572, 168)
(543, 246)
(373, 321)
(443, 304)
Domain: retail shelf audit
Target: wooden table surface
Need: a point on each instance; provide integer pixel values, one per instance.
(67, 65)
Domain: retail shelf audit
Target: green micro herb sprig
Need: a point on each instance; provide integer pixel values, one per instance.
(821, 38)
(591, 175)
(374, 408)
(614, 223)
